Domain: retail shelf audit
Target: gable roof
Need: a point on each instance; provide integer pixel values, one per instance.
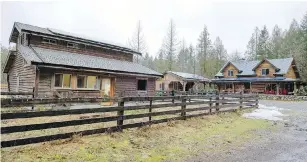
(246, 68)
(265, 59)
(189, 76)
(54, 57)
(59, 34)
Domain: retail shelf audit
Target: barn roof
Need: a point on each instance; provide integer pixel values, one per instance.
(56, 33)
(55, 57)
(246, 67)
(189, 76)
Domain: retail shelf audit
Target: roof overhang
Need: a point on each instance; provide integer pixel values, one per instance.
(9, 61)
(82, 69)
(228, 63)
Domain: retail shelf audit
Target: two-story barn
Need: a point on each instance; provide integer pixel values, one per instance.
(57, 63)
(271, 76)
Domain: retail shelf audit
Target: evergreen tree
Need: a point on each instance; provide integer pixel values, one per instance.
(251, 52)
(276, 42)
(263, 45)
(203, 47)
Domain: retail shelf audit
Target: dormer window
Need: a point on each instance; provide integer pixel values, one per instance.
(49, 41)
(265, 72)
(72, 45)
(230, 72)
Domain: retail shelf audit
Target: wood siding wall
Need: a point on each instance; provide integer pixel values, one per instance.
(88, 50)
(230, 67)
(291, 73)
(265, 65)
(26, 74)
(128, 86)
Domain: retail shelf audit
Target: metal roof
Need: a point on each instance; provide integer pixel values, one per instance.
(55, 57)
(246, 67)
(59, 33)
(189, 76)
(253, 79)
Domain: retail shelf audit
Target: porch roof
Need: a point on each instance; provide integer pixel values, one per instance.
(254, 79)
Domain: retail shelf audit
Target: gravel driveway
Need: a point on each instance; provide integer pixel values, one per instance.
(288, 143)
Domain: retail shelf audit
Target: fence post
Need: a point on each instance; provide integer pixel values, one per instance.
(150, 109)
(217, 98)
(210, 104)
(183, 108)
(241, 100)
(120, 114)
(257, 101)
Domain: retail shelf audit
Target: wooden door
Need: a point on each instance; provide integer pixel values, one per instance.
(107, 89)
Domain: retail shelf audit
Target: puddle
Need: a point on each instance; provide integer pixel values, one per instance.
(265, 112)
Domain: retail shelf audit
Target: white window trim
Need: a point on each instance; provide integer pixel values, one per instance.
(62, 81)
(264, 69)
(230, 71)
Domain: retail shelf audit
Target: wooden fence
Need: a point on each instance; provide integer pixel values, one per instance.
(211, 102)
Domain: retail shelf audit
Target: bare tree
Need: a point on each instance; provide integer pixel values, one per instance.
(169, 45)
(137, 41)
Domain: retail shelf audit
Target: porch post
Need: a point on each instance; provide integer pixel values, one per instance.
(183, 84)
(36, 83)
(295, 88)
(250, 87)
(233, 87)
(277, 88)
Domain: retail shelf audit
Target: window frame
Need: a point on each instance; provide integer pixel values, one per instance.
(231, 72)
(137, 84)
(266, 70)
(86, 79)
(48, 41)
(62, 87)
(74, 45)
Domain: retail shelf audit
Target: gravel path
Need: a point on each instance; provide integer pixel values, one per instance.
(289, 143)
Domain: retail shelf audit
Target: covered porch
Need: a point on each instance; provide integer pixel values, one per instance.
(284, 86)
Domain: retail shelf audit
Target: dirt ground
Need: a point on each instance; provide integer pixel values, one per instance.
(287, 143)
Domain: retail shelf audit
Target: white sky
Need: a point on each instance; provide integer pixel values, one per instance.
(116, 20)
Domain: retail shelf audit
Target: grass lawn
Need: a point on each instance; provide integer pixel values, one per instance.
(174, 141)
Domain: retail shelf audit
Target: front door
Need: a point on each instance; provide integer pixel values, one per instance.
(107, 89)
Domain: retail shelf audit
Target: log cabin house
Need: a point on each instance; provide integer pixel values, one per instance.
(269, 76)
(180, 81)
(60, 64)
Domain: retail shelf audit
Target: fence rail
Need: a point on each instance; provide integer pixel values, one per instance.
(216, 102)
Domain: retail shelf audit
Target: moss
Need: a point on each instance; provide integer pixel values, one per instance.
(152, 143)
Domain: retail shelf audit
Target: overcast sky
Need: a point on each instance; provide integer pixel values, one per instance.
(116, 20)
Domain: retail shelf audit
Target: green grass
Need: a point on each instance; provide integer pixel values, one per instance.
(174, 141)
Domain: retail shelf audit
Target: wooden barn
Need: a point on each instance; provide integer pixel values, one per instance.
(59, 64)
(180, 81)
(270, 76)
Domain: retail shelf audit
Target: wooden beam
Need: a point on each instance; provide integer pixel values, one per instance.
(36, 83)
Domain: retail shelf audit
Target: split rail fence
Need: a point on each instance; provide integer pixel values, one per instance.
(203, 105)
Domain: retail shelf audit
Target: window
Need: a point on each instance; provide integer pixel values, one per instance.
(142, 84)
(265, 72)
(90, 82)
(228, 86)
(49, 41)
(62, 80)
(72, 45)
(230, 72)
(81, 81)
